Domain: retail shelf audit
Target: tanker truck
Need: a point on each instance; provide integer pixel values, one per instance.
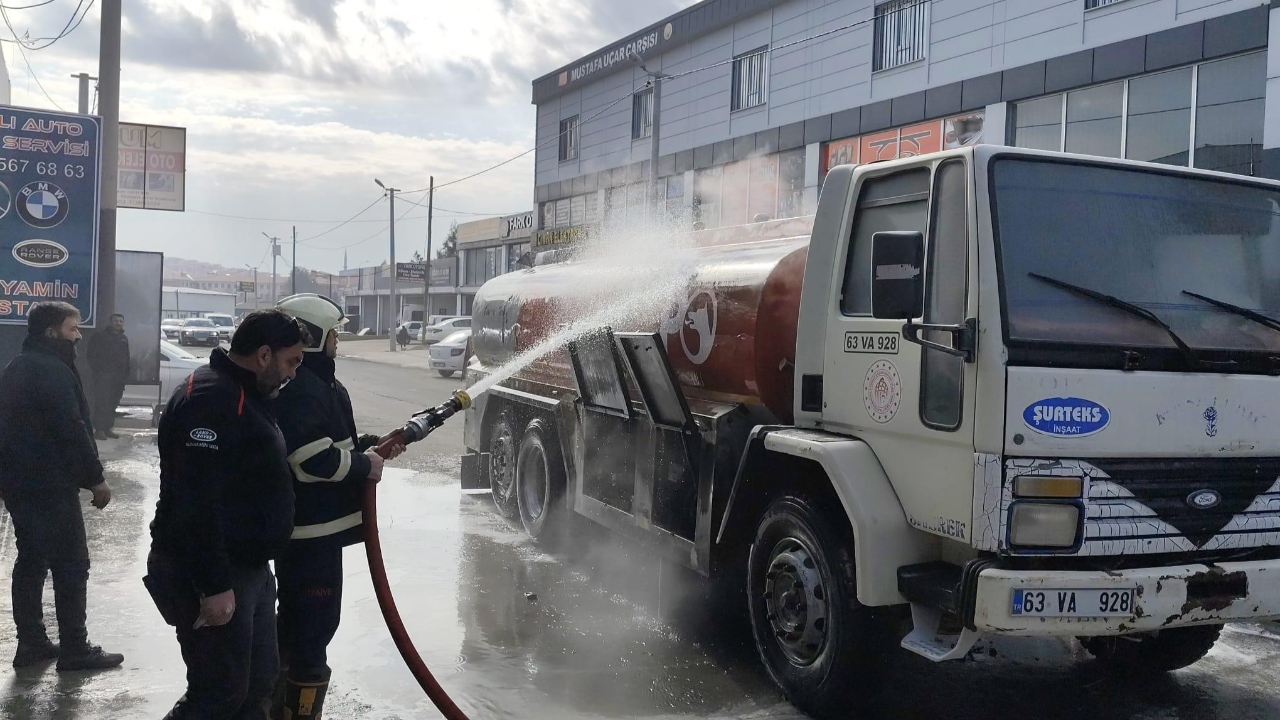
(987, 392)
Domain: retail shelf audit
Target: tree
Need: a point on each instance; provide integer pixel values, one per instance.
(417, 256)
(450, 246)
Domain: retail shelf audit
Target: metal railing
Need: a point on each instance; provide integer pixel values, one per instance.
(1091, 4)
(750, 82)
(901, 33)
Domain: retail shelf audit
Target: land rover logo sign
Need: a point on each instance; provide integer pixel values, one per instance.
(40, 253)
(1204, 499)
(1066, 417)
(204, 435)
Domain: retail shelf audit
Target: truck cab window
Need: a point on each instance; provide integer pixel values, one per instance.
(892, 202)
(942, 375)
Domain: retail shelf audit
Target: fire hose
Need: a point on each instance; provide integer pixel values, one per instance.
(418, 427)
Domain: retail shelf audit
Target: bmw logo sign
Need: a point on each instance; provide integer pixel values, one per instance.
(1204, 499)
(42, 204)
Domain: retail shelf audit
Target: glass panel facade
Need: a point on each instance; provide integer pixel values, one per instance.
(1037, 124)
(1230, 102)
(1094, 119)
(706, 197)
(1160, 118)
(791, 183)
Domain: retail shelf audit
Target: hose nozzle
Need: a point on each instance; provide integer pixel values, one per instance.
(422, 424)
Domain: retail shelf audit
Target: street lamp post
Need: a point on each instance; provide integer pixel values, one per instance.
(255, 287)
(391, 192)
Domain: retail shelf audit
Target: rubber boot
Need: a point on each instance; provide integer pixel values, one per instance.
(304, 698)
(278, 695)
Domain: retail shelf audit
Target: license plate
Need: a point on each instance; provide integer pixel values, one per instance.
(435, 364)
(1087, 602)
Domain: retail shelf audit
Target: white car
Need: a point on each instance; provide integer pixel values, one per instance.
(171, 328)
(225, 323)
(449, 356)
(438, 331)
(176, 365)
(413, 326)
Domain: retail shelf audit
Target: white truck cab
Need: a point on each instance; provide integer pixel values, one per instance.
(1034, 394)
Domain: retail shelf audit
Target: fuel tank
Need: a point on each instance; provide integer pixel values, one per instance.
(728, 318)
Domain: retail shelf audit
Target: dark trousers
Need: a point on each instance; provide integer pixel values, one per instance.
(49, 530)
(107, 392)
(231, 668)
(310, 574)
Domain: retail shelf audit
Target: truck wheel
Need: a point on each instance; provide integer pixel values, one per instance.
(502, 464)
(817, 641)
(1154, 653)
(540, 483)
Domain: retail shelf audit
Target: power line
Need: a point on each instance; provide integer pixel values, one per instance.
(26, 7)
(32, 70)
(344, 222)
(73, 22)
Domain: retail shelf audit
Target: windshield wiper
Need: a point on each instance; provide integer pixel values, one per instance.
(1237, 310)
(1187, 352)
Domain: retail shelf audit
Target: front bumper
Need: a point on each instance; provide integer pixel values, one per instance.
(1166, 597)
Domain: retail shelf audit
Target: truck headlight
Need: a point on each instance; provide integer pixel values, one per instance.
(1044, 525)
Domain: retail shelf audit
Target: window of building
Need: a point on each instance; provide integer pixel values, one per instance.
(791, 183)
(1037, 124)
(895, 202)
(674, 206)
(762, 195)
(901, 33)
(562, 212)
(569, 139)
(706, 197)
(514, 253)
(734, 183)
(1094, 120)
(578, 210)
(548, 215)
(1159, 118)
(636, 196)
(1091, 4)
(750, 79)
(642, 114)
(1230, 100)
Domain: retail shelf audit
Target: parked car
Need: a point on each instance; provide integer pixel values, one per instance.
(200, 331)
(170, 328)
(432, 334)
(449, 356)
(176, 365)
(226, 324)
(414, 327)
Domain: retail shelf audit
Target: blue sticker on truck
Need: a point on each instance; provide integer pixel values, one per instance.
(1066, 417)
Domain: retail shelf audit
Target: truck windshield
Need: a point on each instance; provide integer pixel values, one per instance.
(1160, 241)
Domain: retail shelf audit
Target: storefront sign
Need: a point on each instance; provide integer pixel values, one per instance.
(517, 225)
(561, 236)
(442, 274)
(246, 286)
(49, 173)
(910, 141)
(153, 167)
(607, 59)
(411, 272)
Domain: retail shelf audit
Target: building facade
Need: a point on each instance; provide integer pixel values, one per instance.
(488, 248)
(5, 88)
(763, 96)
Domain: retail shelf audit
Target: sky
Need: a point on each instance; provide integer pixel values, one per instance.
(293, 107)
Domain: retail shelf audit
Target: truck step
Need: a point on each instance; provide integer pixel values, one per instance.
(932, 584)
(925, 641)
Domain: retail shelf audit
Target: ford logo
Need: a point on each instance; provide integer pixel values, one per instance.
(1066, 417)
(1204, 499)
(40, 253)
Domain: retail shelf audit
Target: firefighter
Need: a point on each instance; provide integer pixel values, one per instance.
(225, 510)
(331, 464)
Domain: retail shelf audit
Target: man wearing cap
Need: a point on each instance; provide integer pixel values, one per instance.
(331, 465)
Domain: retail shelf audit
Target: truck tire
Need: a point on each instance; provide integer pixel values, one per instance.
(1154, 653)
(502, 463)
(820, 645)
(540, 484)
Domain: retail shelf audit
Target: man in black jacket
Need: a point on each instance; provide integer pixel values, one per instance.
(225, 510)
(109, 360)
(331, 465)
(47, 455)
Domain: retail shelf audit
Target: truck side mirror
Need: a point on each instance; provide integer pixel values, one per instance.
(897, 275)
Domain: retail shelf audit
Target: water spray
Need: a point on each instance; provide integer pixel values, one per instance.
(418, 427)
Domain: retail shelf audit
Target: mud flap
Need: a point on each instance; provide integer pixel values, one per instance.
(475, 471)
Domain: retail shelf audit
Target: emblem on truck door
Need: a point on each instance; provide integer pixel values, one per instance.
(882, 391)
(1066, 417)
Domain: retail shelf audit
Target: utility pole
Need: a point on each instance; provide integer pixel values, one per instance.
(84, 79)
(275, 253)
(391, 307)
(293, 274)
(426, 281)
(109, 99)
(657, 194)
(255, 287)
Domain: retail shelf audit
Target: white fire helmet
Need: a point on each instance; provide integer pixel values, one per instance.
(320, 314)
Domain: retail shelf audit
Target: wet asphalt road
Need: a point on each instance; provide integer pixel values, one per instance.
(601, 631)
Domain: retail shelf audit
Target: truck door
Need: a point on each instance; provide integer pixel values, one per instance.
(913, 405)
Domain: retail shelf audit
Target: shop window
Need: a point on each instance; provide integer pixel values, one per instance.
(1094, 120)
(1230, 100)
(750, 79)
(762, 197)
(1037, 124)
(901, 33)
(706, 197)
(791, 183)
(1159, 123)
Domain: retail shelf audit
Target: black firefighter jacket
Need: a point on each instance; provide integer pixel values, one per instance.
(46, 437)
(325, 453)
(226, 495)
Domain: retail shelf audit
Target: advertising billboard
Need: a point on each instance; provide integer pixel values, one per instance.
(138, 299)
(411, 271)
(50, 163)
(153, 167)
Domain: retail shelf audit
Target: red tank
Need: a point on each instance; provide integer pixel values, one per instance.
(730, 330)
